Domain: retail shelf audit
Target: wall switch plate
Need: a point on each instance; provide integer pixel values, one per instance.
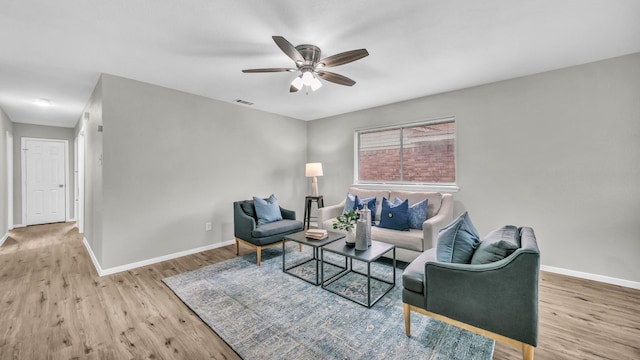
(207, 226)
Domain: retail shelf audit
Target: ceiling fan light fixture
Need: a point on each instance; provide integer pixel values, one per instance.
(307, 78)
(308, 62)
(315, 84)
(297, 83)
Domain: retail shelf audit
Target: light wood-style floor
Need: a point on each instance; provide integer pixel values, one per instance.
(53, 305)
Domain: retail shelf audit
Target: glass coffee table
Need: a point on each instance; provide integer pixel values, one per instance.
(316, 246)
(373, 253)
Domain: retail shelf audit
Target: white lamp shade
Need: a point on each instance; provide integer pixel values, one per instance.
(313, 169)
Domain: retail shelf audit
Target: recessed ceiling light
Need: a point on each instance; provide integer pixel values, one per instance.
(42, 102)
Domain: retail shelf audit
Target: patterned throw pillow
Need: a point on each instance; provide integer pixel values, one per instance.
(417, 213)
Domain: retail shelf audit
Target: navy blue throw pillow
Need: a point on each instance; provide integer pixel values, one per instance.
(394, 217)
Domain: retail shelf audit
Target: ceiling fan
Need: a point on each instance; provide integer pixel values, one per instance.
(308, 62)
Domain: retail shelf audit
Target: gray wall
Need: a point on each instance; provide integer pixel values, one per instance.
(45, 132)
(556, 151)
(5, 126)
(93, 170)
(173, 161)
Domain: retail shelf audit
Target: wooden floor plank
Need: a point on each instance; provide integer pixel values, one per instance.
(54, 306)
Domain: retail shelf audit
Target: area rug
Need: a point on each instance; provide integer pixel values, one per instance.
(263, 313)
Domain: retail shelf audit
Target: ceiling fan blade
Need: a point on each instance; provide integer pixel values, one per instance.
(336, 78)
(288, 49)
(344, 58)
(267, 70)
(293, 89)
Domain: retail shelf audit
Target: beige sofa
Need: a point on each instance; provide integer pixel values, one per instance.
(409, 244)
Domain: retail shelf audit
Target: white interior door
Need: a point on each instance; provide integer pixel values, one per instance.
(45, 181)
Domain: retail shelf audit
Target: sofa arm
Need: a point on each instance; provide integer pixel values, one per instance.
(431, 227)
(329, 212)
(288, 214)
(501, 297)
(243, 224)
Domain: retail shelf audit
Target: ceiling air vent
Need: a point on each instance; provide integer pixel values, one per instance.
(243, 102)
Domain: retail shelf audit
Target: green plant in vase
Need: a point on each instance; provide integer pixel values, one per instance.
(347, 222)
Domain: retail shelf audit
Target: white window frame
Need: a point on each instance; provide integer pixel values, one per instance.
(395, 185)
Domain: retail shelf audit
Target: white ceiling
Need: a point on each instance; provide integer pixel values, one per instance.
(57, 49)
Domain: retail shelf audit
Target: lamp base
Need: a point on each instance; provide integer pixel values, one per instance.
(314, 189)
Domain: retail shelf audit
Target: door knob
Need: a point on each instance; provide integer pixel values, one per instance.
(61, 185)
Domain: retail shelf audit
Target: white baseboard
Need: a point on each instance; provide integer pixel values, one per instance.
(137, 264)
(96, 264)
(4, 238)
(594, 277)
(19, 226)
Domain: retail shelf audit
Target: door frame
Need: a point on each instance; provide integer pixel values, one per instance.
(79, 164)
(9, 139)
(23, 181)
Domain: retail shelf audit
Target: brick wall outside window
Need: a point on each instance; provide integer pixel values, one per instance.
(428, 154)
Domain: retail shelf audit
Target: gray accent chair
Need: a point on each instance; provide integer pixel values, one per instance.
(248, 232)
(498, 300)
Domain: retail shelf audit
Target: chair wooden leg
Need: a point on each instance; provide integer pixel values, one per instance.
(527, 352)
(259, 251)
(237, 247)
(407, 319)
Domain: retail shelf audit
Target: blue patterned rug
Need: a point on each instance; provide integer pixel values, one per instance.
(263, 313)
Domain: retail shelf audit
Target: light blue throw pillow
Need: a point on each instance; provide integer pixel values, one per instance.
(350, 204)
(393, 216)
(267, 210)
(417, 213)
(457, 241)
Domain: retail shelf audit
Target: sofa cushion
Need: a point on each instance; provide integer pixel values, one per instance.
(267, 210)
(417, 213)
(457, 241)
(276, 227)
(497, 245)
(413, 275)
(434, 199)
(411, 240)
(394, 216)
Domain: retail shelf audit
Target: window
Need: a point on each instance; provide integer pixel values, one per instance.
(422, 153)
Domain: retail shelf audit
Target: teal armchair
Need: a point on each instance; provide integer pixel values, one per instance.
(498, 300)
(248, 232)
